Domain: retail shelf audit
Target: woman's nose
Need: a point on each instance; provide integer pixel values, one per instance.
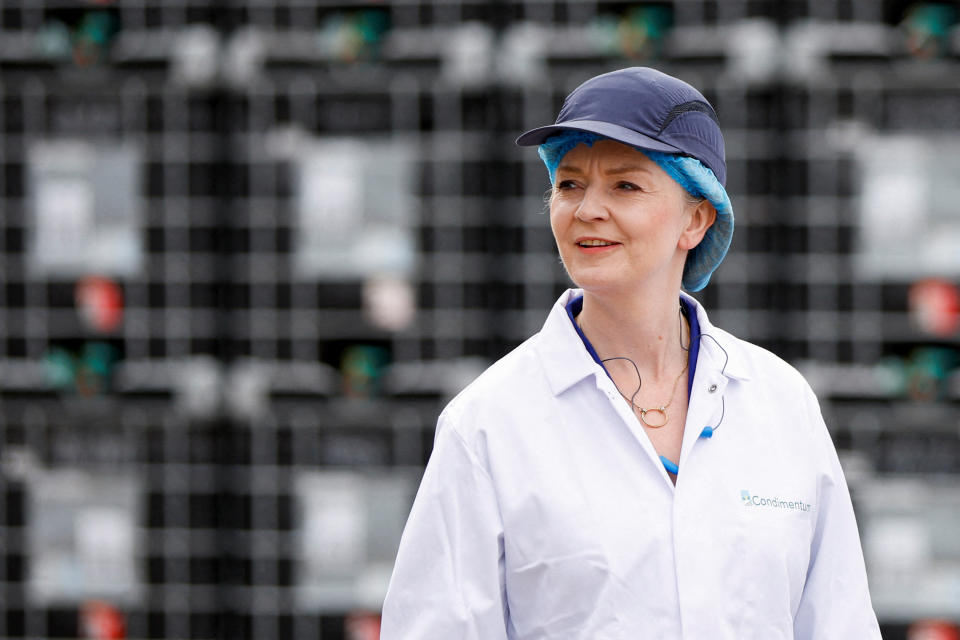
(592, 206)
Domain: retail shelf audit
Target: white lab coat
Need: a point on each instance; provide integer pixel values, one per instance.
(545, 512)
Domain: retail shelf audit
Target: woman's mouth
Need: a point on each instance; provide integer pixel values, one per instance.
(595, 245)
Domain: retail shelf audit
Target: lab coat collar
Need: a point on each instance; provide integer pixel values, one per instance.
(724, 351)
(566, 362)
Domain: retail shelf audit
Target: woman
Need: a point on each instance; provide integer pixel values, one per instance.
(578, 489)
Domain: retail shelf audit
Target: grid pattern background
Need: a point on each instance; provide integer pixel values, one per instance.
(229, 384)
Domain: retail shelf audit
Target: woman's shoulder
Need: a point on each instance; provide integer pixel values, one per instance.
(769, 383)
(758, 363)
(508, 387)
(515, 374)
(743, 359)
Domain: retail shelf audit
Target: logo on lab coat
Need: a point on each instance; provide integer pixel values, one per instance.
(772, 503)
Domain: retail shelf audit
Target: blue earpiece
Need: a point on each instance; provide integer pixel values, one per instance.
(707, 432)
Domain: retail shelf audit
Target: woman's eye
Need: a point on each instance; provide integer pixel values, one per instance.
(566, 184)
(628, 186)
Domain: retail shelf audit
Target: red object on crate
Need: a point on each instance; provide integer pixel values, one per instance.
(100, 303)
(102, 621)
(933, 630)
(935, 306)
(363, 626)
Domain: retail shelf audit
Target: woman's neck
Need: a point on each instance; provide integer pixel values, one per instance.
(650, 331)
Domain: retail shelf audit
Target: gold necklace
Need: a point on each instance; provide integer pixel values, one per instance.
(662, 409)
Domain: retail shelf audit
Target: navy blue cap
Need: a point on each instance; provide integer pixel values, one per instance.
(643, 108)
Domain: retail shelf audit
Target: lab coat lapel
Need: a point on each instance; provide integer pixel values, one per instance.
(566, 362)
(630, 420)
(705, 406)
(719, 361)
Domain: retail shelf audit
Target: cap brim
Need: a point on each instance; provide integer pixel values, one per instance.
(614, 132)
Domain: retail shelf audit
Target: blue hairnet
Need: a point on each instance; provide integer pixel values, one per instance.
(698, 180)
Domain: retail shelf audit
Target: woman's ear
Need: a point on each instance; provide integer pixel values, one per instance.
(702, 217)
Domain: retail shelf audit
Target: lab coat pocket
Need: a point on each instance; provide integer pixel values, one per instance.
(561, 596)
(774, 540)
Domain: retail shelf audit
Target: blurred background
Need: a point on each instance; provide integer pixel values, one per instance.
(251, 247)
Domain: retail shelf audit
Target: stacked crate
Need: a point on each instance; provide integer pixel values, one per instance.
(248, 436)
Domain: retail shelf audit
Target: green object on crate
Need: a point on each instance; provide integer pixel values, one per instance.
(928, 370)
(98, 27)
(362, 369)
(89, 373)
(59, 369)
(928, 26)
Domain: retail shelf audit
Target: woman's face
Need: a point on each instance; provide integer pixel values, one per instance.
(619, 220)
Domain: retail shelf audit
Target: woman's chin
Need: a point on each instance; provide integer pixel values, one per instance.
(600, 283)
(615, 284)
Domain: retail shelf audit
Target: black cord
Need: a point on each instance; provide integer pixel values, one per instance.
(635, 368)
(723, 369)
(726, 355)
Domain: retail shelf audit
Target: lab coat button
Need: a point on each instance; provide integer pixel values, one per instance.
(712, 388)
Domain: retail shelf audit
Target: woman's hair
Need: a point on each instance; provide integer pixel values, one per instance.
(556, 147)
